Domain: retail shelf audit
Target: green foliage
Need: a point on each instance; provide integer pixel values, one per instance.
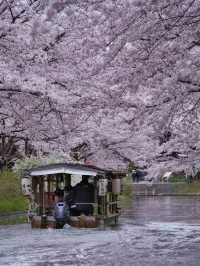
(127, 194)
(11, 198)
(131, 167)
(175, 179)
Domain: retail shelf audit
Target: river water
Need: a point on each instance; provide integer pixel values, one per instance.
(153, 231)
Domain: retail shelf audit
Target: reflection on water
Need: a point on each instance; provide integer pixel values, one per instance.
(164, 209)
(153, 231)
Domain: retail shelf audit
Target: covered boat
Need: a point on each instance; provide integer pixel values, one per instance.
(57, 198)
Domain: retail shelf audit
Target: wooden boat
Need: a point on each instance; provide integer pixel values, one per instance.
(54, 200)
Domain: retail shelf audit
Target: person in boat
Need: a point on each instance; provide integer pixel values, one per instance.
(59, 194)
(68, 195)
(81, 198)
(61, 208)
(67, 191)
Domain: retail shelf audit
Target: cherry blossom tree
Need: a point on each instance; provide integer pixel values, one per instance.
(121, 76)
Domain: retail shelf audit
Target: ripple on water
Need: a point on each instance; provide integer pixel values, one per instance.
(149, 241)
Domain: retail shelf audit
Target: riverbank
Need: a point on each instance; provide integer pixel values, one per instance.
(165, 189)
(11, 198)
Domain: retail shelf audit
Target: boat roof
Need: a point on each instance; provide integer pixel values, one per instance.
(67, 168)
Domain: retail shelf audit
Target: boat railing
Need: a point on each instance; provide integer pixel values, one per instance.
(86, 203)
(93, 204)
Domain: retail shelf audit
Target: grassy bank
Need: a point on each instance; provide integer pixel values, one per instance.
(11, 198)
(184, 188)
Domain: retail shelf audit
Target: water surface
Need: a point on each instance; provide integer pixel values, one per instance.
(153, 231)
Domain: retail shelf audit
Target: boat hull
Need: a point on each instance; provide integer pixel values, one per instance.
(82, 221)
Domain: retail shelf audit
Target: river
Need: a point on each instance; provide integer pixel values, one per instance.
(152, 231)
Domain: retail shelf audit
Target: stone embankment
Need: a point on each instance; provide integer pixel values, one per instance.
(13, 217)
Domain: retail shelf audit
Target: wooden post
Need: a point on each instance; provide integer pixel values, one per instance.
(49, 188)
(95, 197)
(41, 193)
